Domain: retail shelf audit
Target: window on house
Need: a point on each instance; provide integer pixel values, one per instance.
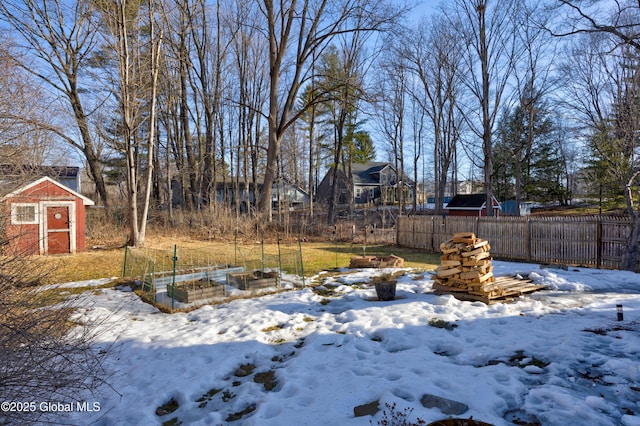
(358, 192)
(24, 214)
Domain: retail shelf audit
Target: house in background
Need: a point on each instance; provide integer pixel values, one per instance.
(470, 186)
(471, 205)
(45, 217)
(13, 176)
(373, 183)
(283, 194)
(240, 192)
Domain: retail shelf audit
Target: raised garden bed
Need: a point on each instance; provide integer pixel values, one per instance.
(198, 290)
(253, 280)
(163, 282)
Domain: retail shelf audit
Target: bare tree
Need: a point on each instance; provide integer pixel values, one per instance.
(25, 117)
(607, 95)
(391, 104)
(47, 352)
(178, 19)
(533, 83)
(250, 62)
(605, 84)
(488, 32)
(296, 31)
(620, 19)
(434, 58)
(58, 38)
(137, 60)
(340, 82)
(310, 118)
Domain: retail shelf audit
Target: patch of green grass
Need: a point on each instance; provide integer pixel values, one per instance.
(518, 358)
(267, 379)
(167, 408)
(53, 296)
(237, 416)
(440, 323)
(227, 396)
(326, 256)
(316, 257)
(244, 370)
(204, 399)
(537, 362)
(322, 291)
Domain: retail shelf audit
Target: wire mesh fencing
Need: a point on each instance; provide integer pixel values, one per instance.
(212, 271)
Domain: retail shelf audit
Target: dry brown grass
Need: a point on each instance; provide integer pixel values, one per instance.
(317, 256)
(215, 234)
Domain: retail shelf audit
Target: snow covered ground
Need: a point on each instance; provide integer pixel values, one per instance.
(555, 357)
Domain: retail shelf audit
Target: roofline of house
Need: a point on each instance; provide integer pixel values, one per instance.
(85, 200)
(473, 208)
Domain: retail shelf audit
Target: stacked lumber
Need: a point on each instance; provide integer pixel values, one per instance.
(465, 264)
(466, 272)
(390, 261)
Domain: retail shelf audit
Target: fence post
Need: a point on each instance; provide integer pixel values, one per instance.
(599, 242)
(235, 247)
(279, 260)
(173, 279)
(301, 261)
(529, 242)
(433, 230)
(124, 265)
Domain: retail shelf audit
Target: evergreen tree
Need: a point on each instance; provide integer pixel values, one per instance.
(603, 184)
(526, 164)
(363, 149)
(545, 182)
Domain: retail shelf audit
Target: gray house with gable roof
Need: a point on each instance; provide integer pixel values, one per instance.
(371, 183)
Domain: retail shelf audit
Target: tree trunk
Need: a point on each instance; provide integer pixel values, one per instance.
(155, 67)
(270, 173)
(486, 116)
(89, 151)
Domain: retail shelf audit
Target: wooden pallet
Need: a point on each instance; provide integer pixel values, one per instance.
(502, 289)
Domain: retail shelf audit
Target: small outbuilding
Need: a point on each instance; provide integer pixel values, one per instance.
(471, 205)
(45, 217)
(509, 208)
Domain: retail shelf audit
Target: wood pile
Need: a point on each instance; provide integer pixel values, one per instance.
(390, 261)
(466, 271)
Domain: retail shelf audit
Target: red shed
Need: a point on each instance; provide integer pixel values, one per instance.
(45, 217)
(471, 205)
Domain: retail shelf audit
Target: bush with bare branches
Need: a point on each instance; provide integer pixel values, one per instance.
(45, 357)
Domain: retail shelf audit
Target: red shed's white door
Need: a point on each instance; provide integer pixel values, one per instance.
(58, 230)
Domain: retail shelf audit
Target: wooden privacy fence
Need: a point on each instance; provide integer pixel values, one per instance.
(593, 241)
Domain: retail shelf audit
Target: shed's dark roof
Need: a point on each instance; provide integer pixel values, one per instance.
(467, 201)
